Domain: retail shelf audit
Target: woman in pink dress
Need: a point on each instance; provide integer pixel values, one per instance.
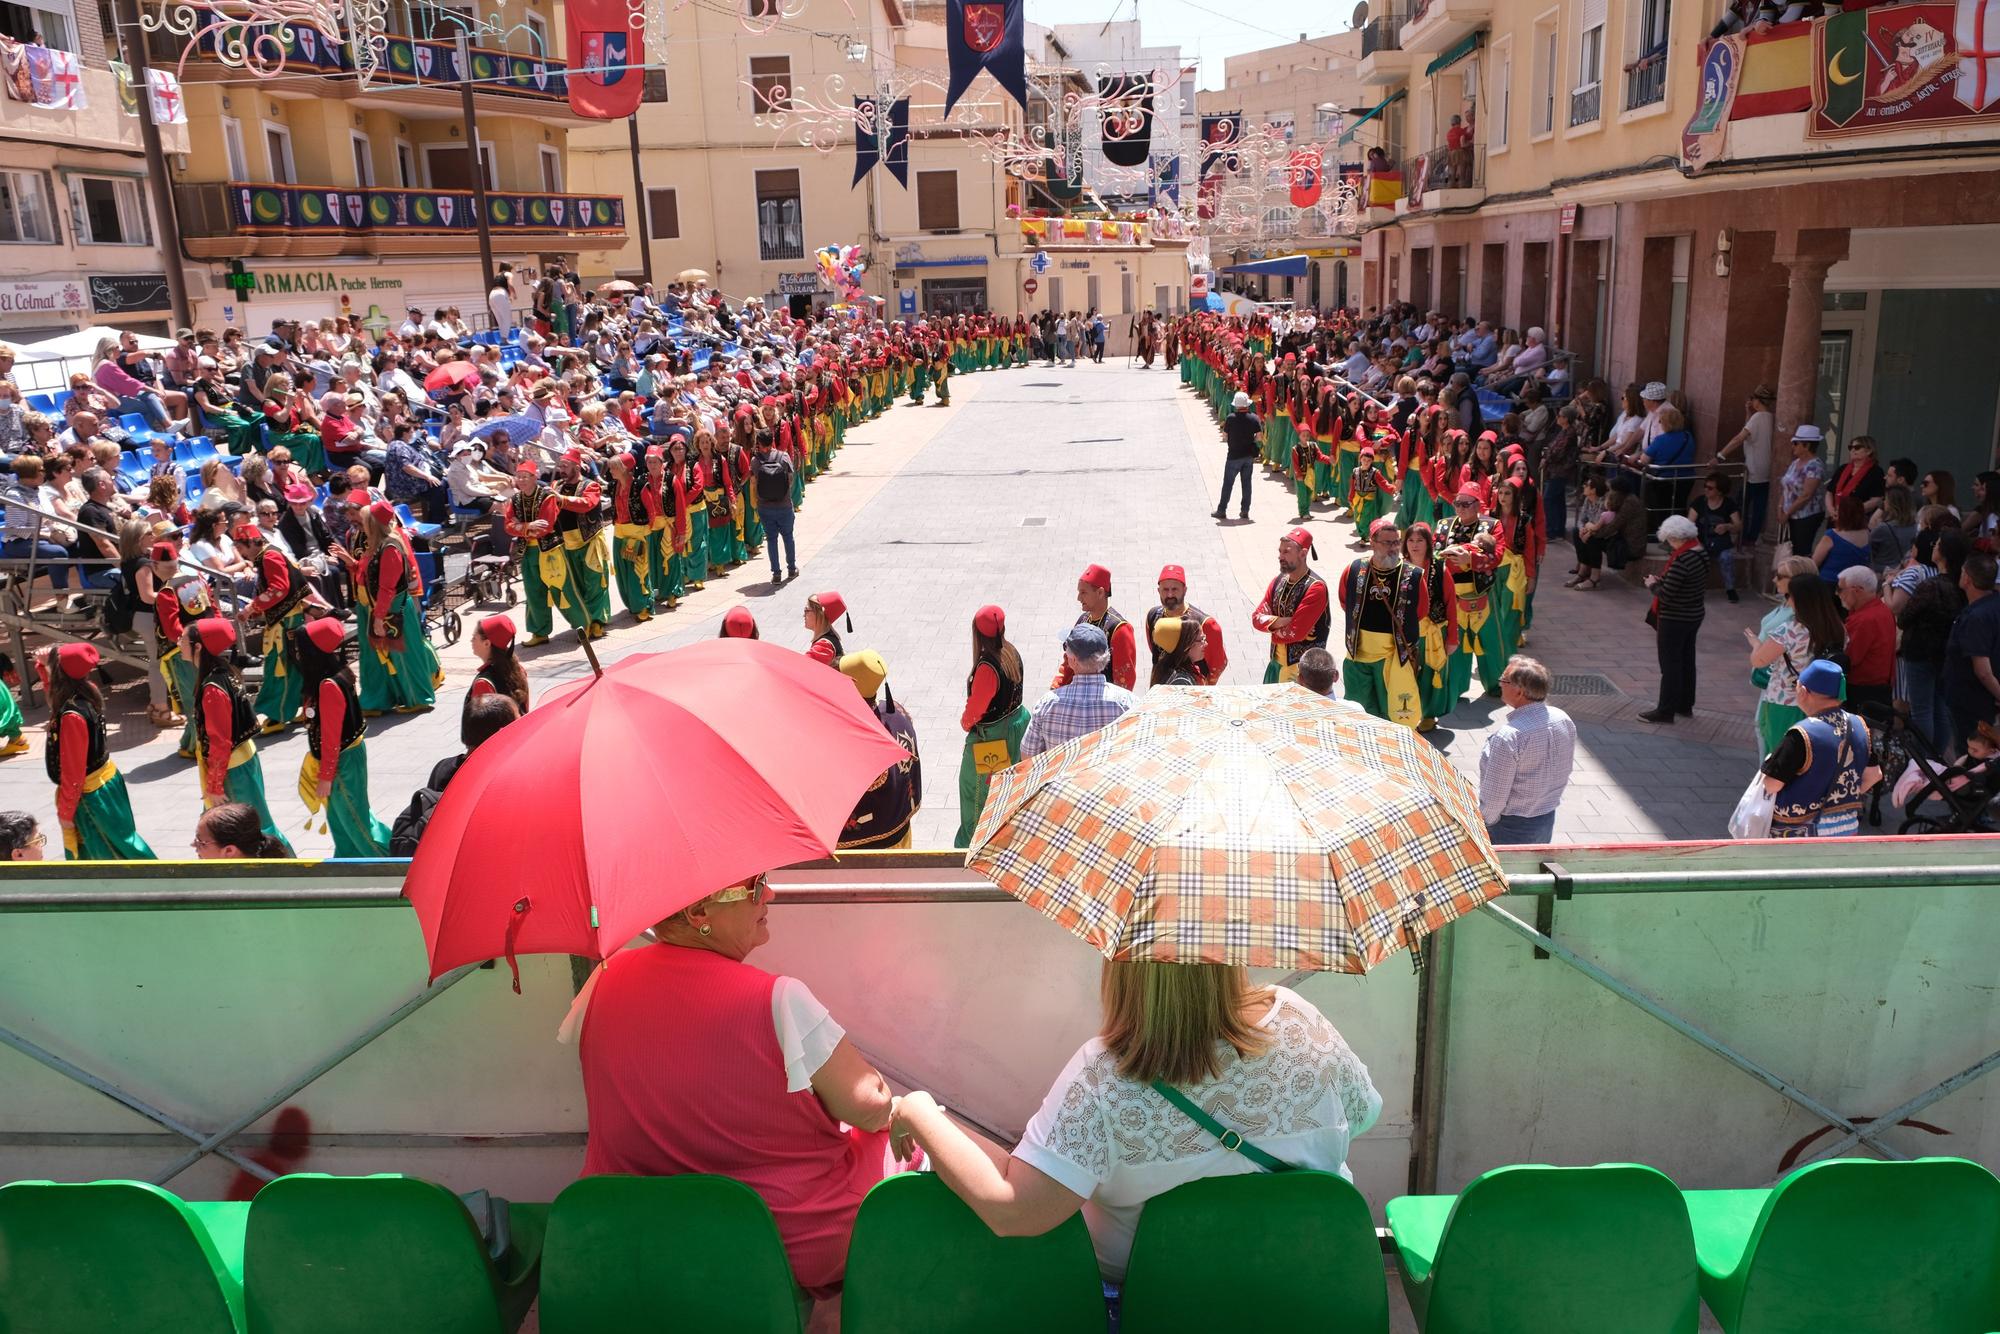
(694, 1061)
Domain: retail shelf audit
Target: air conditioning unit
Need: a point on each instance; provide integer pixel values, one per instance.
(198, 285)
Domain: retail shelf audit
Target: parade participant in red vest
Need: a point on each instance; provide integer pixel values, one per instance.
(1093, 594)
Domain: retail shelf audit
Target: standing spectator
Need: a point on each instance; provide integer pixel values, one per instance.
(1891, 529)
(500, 301)
(1819, 771)
(1242, 429)
(1100, 328)
(1860, 477)
(1871, 639)
(1754, 443)
(1982, 520)
(771, 483)
(1527, 760)
(21, 838)
(1082, 704)
(1800, 491)
(1845, 544)
(1680, 600)
(1320, 673)
(1813, 630)
(1927, 600)
(1970, 687)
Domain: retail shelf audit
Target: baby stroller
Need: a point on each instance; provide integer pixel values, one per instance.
(1888, 750)
(442, 599)
(1939, 797)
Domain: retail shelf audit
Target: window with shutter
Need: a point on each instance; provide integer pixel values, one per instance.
(780, 215)
(937, 201)
(663, 208)
(771, 82)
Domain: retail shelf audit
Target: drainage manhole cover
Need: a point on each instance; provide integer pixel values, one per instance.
(1035, 521)
(1100, 440)
(1041, 384)
(1589, 683)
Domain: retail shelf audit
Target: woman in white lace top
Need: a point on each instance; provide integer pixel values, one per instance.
(1259, 1061)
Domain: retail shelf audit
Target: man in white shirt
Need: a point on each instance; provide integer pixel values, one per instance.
(1754, 441)
(1526, 763)
(500, 300)
(412, 326)
(1356, 364)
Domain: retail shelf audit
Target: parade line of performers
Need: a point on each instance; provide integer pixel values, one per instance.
(1453, 525)
(655, 519)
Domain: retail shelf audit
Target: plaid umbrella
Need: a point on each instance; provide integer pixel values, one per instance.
(1241, 824)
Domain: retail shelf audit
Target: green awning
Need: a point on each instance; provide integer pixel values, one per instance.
(1455, 53)
(1369, 115)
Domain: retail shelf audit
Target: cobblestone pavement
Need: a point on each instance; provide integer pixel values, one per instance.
(1005, 496)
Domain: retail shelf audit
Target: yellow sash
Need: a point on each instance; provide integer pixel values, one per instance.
(632, 540)
(1516, 567)
(1435, 654)
(94, 781)
(593, 550)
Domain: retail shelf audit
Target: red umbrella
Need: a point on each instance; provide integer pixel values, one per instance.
(622, 799)
(451, 375)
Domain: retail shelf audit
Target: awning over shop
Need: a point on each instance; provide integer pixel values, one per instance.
(1370, 114)
(1454, 53)
(1279, 266)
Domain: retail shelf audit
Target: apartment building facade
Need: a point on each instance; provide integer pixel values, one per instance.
(746, 167)
(1810, 231)
(79, 242)
(342, 199)
(1305, 93)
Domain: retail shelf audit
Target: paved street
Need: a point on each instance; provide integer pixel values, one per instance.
(1005, 496)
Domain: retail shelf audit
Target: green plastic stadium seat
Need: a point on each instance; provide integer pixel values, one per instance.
(360, 1255)
(1854, 1246)
(1198, 1264)
(113, 1255)
(618, 1257)
(1550, 1250)
(921, 1260)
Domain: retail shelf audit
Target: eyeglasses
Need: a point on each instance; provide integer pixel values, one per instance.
(757, 891)
(40, 840)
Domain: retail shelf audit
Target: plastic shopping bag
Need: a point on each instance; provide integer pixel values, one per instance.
(1752, 817)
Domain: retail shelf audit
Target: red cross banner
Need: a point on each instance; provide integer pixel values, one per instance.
(607, 42)
(163, 98)
(1905, 67)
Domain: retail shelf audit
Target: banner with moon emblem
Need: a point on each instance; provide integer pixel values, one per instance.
(1905, 67)
(282, 209)
(1721, 74)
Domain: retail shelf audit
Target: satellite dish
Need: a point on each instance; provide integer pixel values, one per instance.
(1360, 14)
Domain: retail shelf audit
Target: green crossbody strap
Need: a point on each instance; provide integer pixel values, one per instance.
(1231, 1140)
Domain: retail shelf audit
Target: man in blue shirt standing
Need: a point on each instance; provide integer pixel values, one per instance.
(1526, 763)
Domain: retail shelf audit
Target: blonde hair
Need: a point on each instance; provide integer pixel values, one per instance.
(277, 383)
(1793, 566)
(1168, 1021)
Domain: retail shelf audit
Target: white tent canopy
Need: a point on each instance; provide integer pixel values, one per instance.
(83, 343)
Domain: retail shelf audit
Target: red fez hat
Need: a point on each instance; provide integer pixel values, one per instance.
(574, 454)
(655, 452)
(216, 635)
(990, 620)
(1385, 522)
(738, 623)
(165, 551)
(246, 531)
(1466, 496)
(1300, 538)
(1173, 572)
(1097, 577)
(833, 604)
(527, 468)
(498, 629)
(1494, 436)
(326, 634)
(77, 660)
(383, 511)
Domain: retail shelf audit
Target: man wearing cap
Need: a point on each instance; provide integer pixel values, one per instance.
(881, 819)
(1819, 772)
(283, 595)
(1242, 430)
(1173, 604)
(1384, 599)
(1093, 594)
(1083, 699)
(91, 801)
(1471, 550)
(531, 520)
(580, 526)
(1295, 610)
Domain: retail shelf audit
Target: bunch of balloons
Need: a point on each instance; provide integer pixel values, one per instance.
(842, 267)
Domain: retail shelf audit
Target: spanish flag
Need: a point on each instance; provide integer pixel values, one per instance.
(1777, 72)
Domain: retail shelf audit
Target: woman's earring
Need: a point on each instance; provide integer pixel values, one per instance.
(704, 928)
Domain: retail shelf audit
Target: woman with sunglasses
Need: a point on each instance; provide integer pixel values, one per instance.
(695, 1061)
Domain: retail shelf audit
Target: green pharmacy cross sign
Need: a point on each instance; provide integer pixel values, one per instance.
(240, 280)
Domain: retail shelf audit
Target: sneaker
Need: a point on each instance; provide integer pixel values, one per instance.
(1217, 514)
(791, 575)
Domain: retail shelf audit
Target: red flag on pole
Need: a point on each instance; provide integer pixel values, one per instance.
(1305, 177)
(607, 44)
